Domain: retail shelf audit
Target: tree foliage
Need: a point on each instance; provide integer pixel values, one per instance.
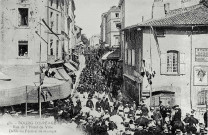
(84, 39)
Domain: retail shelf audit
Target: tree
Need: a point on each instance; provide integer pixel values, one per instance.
(84, 39)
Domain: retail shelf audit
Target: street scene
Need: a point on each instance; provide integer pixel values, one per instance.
(103, 67)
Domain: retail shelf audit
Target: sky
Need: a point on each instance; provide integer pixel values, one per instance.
(88, 13)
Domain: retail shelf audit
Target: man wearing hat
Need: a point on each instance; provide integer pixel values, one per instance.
(157, 115)
(98, 104)
(138, 112)
(150, 114)
(126, 110)
(89, 103)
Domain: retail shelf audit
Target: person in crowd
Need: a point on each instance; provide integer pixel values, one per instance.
(98, 104)
(126, 110)
(205, 118)
(90, 103)
(138, 112)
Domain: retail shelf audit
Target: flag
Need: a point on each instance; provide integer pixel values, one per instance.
(156, 40)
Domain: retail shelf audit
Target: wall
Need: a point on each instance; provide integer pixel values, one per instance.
(180, 41)
(132, 83)
(111, 29)
(11, 33)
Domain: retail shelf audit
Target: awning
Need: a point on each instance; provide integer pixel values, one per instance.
(63, 73)
(106, 55)
(49, 93)
(56, 62)
(23, 86)
(70, 67)
(74, 64)
(130, 77)
(114, 55)
(29, 94)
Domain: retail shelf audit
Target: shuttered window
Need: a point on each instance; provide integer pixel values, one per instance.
(133, 57)
(172, 63)
(129, 57)
(126, 53)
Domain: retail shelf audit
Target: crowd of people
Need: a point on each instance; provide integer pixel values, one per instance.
(94, 112)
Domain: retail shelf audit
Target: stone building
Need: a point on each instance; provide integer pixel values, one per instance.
(109, 32)
(34, 32)
(172, 55)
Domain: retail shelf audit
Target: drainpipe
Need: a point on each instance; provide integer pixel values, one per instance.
(191, 43)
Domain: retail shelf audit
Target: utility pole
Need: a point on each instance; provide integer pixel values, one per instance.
(39, 90)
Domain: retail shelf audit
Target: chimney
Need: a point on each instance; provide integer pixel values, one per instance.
(188, 3)
(166, 7)
(158, 9)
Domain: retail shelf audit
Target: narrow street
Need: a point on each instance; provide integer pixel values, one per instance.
(104, 67)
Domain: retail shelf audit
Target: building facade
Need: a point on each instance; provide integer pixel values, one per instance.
(173, 58)
(95, 41)
(34, 32)
(28, 24)
(109, 31)
(103, 28)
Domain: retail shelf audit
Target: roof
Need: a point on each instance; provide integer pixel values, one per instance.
(104, 57)
(195, 15)
(114, 9)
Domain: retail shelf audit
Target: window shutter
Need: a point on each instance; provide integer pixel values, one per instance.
(126, 56)
(19, 18)
(129, 57)
(133, 57)
(182, 64)
(163, 63)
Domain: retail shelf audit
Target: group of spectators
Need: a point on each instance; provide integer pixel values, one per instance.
(94, 112)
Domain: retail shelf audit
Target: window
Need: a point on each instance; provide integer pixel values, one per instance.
(133, 57)
(57, 3)
(117, 14)
(51, 47)
(202, 97)
(57, 22)
(52, 25)
(51, 3)
(23, 48)
(57, 44)
(172, 62)
(116, 40)
(51, 15)
(23, 16)
(129, 57)
(126, 53)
